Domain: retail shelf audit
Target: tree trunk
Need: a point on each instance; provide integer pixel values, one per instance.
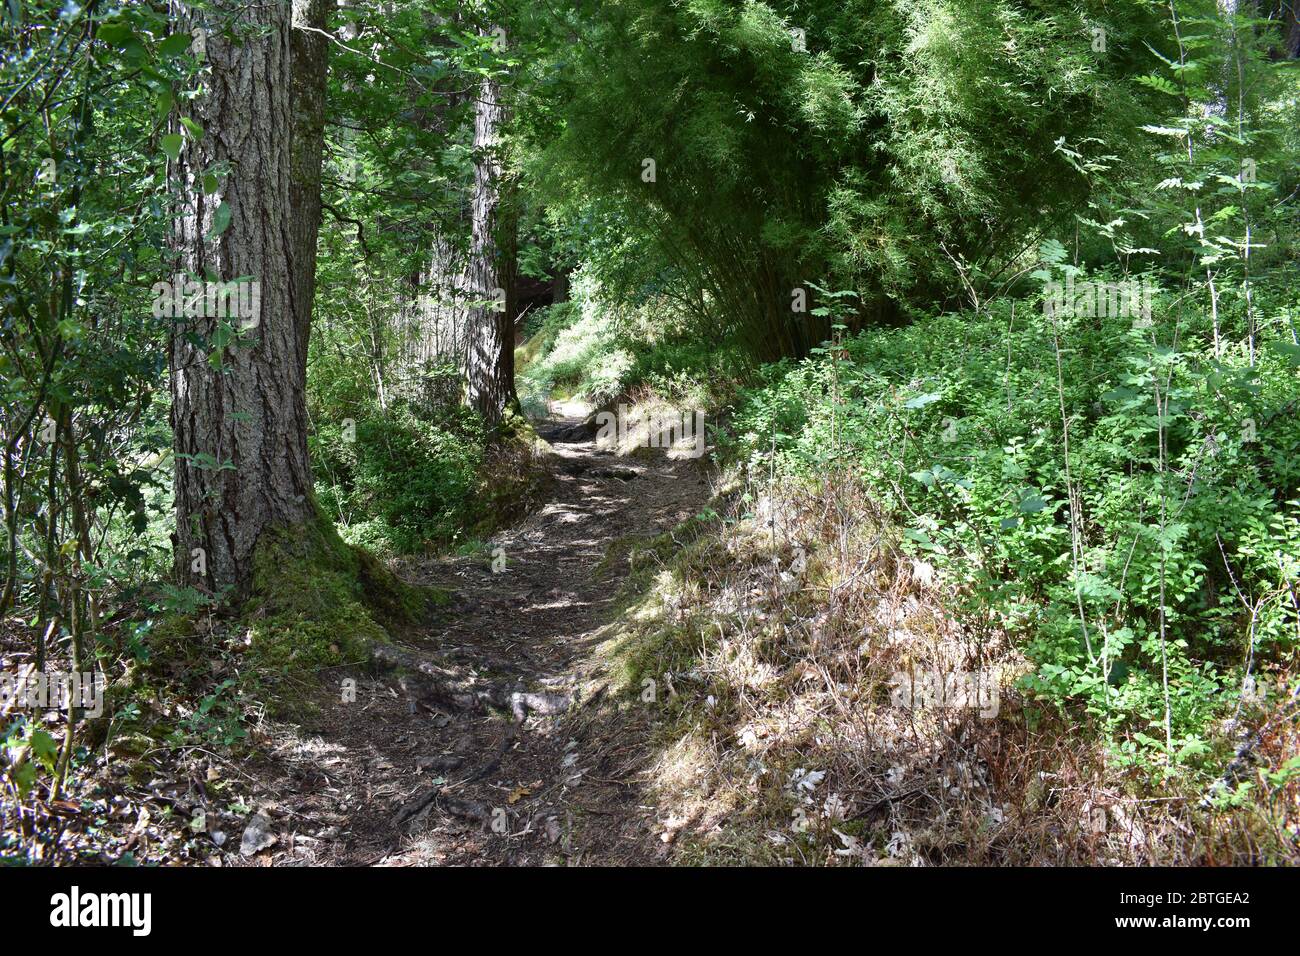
(238, 404)
(490, 276)
(434, 331)
(1286, 14)
(308, 64)
(434, 321)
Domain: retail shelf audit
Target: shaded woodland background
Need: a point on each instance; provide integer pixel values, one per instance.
(885, 248)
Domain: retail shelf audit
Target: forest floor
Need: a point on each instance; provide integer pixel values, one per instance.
(392, 779)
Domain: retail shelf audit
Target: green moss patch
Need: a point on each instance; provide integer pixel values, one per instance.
(318, 602)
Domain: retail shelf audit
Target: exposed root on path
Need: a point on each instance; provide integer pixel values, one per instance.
(475, 741)
(433, 688)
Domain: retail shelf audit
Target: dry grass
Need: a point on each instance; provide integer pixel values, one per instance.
(769, 645)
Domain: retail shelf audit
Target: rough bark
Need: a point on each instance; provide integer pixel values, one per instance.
(1286, 14)
(310, 54)
(240, 422)
(490, 356)
(433, 313)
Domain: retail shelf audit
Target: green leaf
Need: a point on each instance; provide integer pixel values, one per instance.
(1289, 351)
(921, 538)
(220, 220)
(1166, 131)
(114, 33)
(44, 748)
(171, 145)
(193, 128)
(24, 777)
(175, 45)
(1031, 502)
(1158, 83)
(1052, 251)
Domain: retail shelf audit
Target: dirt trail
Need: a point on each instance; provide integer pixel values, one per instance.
(392, 779)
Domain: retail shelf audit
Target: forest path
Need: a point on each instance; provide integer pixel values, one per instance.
(400, 781)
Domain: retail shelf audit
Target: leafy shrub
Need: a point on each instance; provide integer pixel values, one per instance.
(601, 349)
(396, 481)
(579, 350)
(1164, 543)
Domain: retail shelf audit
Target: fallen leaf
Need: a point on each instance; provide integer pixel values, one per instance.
(257, 835)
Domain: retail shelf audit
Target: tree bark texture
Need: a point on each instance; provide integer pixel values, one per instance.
(490, 276)
(238, 405)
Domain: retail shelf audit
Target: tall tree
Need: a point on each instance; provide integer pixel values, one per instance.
(435, 326)
(250, 181)
(490, 275)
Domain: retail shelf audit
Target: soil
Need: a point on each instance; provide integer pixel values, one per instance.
(393, 779)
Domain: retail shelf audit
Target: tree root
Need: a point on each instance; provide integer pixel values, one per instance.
(427, 685)
(415, 807)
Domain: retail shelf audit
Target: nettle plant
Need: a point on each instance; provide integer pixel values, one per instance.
(1098, 486)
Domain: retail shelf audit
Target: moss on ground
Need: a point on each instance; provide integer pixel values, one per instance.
(318, 602)
(172, 639)
(650, 637)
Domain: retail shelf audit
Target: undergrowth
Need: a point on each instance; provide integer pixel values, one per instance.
(768, 642)
(903, 508)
